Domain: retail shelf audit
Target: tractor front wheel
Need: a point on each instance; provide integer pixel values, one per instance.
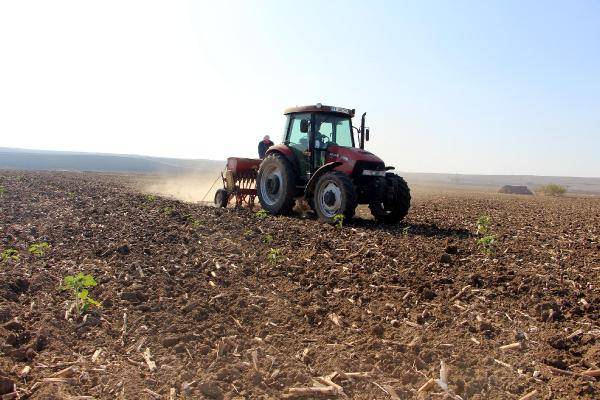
(396, 201)
(334, 194)
(276, 184)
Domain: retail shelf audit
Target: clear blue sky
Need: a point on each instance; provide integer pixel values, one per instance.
(507, 87)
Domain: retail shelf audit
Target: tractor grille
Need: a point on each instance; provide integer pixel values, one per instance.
(368, 188)
(360, 166)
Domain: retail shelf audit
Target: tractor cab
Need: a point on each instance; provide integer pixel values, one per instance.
(318, 135)
(311, 131)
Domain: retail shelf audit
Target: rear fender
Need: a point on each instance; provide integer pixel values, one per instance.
(286, 152)
(281, 148)
(310, 186)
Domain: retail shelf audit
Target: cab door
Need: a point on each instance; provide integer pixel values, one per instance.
(298, 140)
(323, 134)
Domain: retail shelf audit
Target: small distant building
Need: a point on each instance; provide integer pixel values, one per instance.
(510, 189)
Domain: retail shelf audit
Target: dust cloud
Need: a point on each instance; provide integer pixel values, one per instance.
(194, 188)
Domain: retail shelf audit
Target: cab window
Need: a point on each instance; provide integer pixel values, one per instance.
(298, 139)
(333, 129)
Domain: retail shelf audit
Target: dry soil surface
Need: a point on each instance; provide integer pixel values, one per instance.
(198, 302)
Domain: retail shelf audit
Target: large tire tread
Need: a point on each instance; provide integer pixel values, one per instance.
(286, 205)
(401, 201)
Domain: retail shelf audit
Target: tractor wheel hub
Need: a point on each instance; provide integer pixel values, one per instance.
(273, 184)
(329, 198)
(270, 186)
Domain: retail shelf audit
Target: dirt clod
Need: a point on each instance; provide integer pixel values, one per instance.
(378, 330)
(428, 294)
(451, 249)
(446, 258)
(6, 385)
(212, 390)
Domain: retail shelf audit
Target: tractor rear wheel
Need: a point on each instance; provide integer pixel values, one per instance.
(334, 194)
(396, 202)
(276, 184)
(221, 198)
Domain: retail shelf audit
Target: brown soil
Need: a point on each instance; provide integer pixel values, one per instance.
(222, 319)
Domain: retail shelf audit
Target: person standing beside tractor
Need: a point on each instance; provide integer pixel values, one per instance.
(263, 146)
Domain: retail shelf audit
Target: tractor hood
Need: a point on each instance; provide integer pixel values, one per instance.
(349, 156)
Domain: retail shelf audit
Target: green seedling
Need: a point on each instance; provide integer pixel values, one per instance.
(168, 211)
(78, 285)
(338, 220)
(2, 190)
(248, 233)
(405, 230)
(38, 249)
(195, 222)
(483, 225)
(150, 198)
(487, 241)
(261, 214)
(487, 244)
(274, 256)
(267, 239)
(9, 254)
(70, 195)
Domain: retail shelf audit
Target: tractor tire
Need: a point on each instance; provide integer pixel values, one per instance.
(221, 198)
(334, 194)
(276, 185)
(397, 201)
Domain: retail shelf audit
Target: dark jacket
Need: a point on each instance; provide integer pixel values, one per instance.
(263, 147)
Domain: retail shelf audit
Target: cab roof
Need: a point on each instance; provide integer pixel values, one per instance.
(320, 108)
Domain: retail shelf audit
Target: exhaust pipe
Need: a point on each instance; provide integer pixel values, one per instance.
(362, 131)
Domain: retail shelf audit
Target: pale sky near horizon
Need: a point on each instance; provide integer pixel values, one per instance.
(492, 87)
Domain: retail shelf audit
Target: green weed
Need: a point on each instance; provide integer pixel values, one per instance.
(405, 230)
(195, 222)
(168, 211)
(338, 220)
(78, 285)
(483, 225)
(487, 241)
(267, 239)
(9, 254)
(487, 244)
(150, 198)
(2, 190)
(274, 256)
(261, 214)
(38, 249)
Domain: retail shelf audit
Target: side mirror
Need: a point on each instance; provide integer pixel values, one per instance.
(367, 135)
(304, 125)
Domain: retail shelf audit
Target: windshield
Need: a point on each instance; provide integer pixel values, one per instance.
(333, 129)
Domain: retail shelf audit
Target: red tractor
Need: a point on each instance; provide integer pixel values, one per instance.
(320, 161)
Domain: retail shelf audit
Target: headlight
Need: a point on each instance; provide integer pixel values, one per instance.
(370, 172)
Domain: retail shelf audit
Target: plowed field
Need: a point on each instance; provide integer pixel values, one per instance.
(198, 302)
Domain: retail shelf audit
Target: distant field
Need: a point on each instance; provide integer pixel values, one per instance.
(180, 172)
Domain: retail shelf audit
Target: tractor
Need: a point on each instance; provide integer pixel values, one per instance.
(320, 161)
